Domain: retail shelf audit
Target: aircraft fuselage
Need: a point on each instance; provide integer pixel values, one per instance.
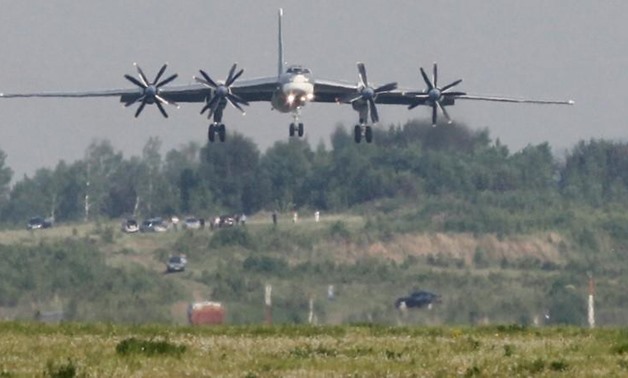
(294, 90)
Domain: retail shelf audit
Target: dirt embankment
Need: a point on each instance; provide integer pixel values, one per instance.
(544, 247)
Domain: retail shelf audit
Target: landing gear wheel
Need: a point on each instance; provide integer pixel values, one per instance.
(368, 134)
(292, 127)
(357, 133)
(300, 130)
(211, 133)
(222, 132)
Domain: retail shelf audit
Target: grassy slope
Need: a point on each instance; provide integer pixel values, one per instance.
(30, 349)
(472, 292)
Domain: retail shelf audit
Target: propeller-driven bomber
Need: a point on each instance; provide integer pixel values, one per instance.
(288, 91)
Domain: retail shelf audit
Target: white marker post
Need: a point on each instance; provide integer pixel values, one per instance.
(591, 308)
(268, 314)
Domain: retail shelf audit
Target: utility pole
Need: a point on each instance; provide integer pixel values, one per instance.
(87, 193)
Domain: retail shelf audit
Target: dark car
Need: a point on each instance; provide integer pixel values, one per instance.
(176, 264)
(37, 223)
(153, 225)
(418, 299)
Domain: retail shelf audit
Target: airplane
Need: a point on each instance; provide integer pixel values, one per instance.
(288, 92)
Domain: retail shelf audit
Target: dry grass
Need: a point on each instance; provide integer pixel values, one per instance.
(90, 350)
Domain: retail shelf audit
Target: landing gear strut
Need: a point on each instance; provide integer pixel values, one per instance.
(216, 128)
(363, 130)
(296, 127)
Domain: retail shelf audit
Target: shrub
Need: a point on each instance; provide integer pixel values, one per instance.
(132, 345)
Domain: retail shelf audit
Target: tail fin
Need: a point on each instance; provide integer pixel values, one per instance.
(280, 52)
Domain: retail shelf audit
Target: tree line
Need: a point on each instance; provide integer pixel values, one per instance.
(410, 162)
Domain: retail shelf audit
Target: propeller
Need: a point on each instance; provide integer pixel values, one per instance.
(222, 91)
(368, 93)
(150, 90)
(435, 95)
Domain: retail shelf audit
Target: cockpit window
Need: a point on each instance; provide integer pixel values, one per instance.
(298, 70)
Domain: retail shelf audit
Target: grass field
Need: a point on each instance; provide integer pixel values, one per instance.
(68, 350)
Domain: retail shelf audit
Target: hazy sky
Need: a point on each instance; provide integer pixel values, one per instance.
(561, 49)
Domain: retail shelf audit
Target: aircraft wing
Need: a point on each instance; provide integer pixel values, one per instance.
(249, 90)
(255, 89)
(513, 100)
(190, 93)
(332, 91)
(103, 93)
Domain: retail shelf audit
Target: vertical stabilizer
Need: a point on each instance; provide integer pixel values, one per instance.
(280, 41)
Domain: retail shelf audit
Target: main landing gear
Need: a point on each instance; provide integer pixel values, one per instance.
(363, 131)
(216, 128)
(296, 128)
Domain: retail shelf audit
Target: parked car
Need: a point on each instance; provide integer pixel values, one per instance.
(153, 225)
(192, 223)
(226, 221)
(418, 299)
(176, 264)
(130, 226)
(36, 223)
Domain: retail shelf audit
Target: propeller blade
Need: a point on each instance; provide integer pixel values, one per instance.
(230, 76)
(203, 81)
(362, 73)
(205, 108)
(142, 76)
(350, 97)
(442, 109)
(141, 107)
(208, 79)
(386, 88)
(161, 109)
(448, 86)
(235, 104)
(212, 104)
(373, 108)
(234, 78)
(134, 81)
(166, 81)
(238, 99)
(435, 75)
(429, 84)
(414, 105)
(161, 72)
(164, 101)
(434, 114)
(131, 102)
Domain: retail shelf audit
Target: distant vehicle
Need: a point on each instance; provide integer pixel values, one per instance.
(192, 223)
(153, 225)
(176, 264)
(417, 300)
(37, 223)
(206, 313)
(226, 221)
(130, 226)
